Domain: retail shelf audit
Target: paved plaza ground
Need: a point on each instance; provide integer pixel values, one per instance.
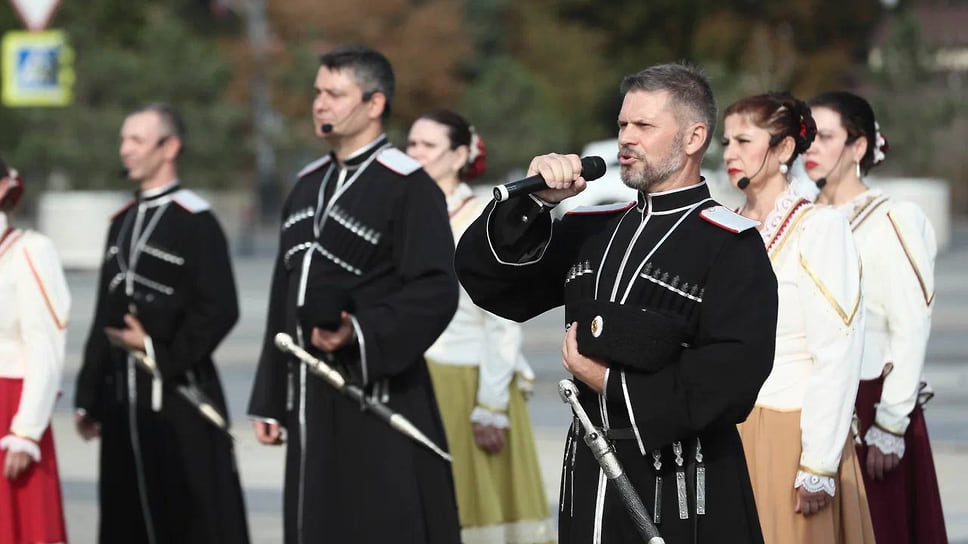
(261, 467)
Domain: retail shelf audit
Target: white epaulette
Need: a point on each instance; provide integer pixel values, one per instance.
(601, 209)
(315, 165)
(726, 219)
(398, 161)
(190, 200)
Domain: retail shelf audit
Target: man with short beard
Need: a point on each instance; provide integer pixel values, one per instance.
(671, 306)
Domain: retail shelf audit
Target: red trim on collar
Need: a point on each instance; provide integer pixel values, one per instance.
(123, 209)
(781, 230)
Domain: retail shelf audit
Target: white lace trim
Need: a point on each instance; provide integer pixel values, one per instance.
(783, 203)
(886, 442)
(487, 417)
(14, 443)
(815, 482)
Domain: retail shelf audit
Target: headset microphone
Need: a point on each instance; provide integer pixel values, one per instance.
(744, 181)
(822, 182)
(328, 127)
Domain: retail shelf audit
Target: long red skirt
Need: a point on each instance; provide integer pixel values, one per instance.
(31, 509)
(906, 505)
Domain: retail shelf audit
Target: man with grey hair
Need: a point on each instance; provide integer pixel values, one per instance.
(670, 304)
(364, 278)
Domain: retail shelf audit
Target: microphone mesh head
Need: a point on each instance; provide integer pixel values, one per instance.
(592, 167)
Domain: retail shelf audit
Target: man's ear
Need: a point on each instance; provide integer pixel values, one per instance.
(376, 105)
(172, 147)
(695, 138)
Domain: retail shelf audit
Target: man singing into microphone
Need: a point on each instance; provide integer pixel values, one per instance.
(671, 307)
(363, 278)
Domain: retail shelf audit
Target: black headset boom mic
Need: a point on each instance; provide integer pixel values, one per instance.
(744, 181)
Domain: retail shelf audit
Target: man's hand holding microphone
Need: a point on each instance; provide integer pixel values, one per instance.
(554, 177)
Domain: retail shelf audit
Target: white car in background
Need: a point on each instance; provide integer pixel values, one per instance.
(604, 190)
(609, 188)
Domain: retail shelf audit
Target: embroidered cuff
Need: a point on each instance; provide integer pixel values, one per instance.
(488, 417)
(889, 443)
(815, 482)
(14, 443)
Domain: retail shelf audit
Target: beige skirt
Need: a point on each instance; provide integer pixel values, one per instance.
(771, 440)
(500, 498)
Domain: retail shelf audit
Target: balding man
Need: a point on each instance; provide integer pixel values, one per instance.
(166, 289)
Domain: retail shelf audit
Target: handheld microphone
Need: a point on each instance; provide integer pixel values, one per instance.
(592, 168)
(744, 181)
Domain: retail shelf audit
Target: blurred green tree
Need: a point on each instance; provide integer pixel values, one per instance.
(127, 54)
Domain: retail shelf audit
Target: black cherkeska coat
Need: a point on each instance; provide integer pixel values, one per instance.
(370, 236)
(167, 474)
(677, 296)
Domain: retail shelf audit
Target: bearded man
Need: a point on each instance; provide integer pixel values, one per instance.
(670, 304)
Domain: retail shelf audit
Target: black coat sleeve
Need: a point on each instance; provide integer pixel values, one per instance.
(397, 329)
(511, 259)
(97, 355)
(212, 306)
(268, 398)
(715, 382)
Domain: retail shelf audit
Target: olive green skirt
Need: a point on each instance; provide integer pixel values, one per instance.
(500, 497)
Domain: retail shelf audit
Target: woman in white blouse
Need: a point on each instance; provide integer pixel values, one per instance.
(805, 476)
(479, 374)
(897, 246)
(34, 305)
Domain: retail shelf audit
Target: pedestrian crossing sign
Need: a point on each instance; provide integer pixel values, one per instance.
(38, 69)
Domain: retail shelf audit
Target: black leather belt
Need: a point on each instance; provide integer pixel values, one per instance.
(628, 433)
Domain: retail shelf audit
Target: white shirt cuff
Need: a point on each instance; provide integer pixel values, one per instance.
(542, 202)
(887, 442)
(492, 419)
(815, 482)
(14, 443)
